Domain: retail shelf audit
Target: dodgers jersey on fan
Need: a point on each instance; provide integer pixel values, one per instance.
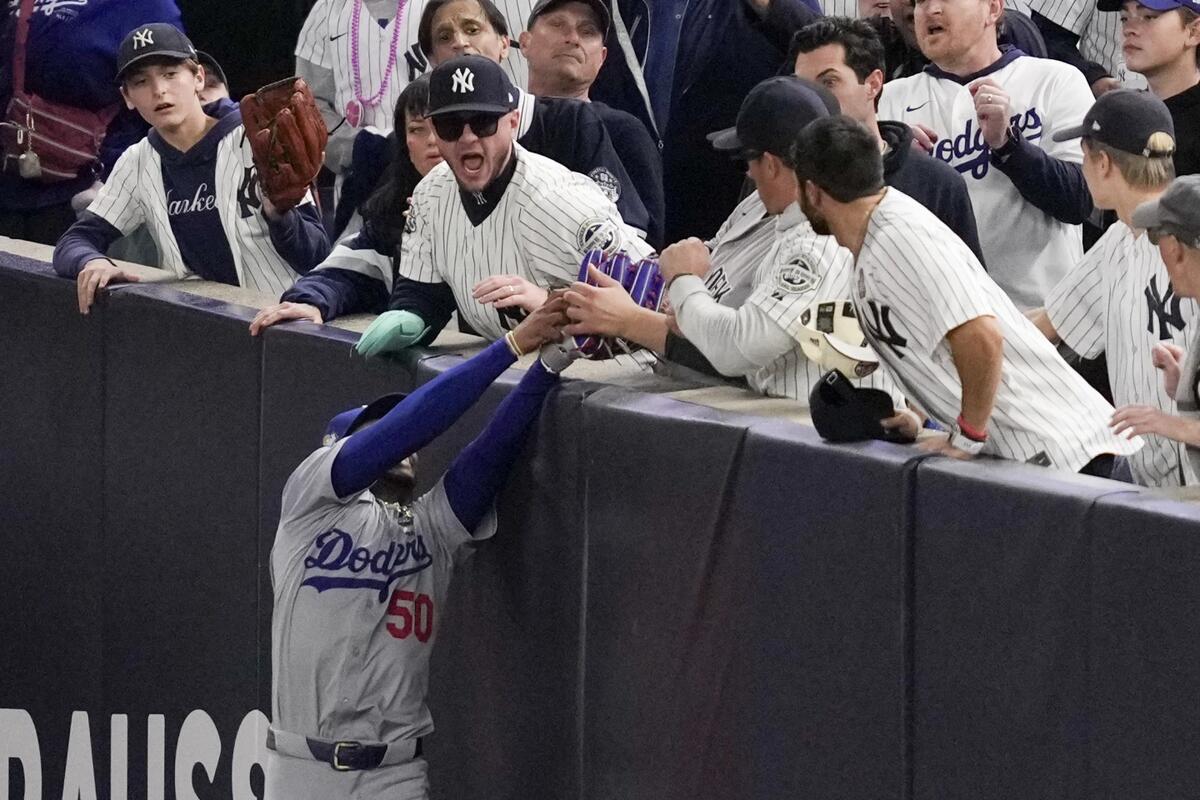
(540, 228)
(325, 41)
(359, 589)
(1119, 300)
(914, 282)
(1027, 250)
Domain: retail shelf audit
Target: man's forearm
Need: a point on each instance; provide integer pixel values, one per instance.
(977, 348)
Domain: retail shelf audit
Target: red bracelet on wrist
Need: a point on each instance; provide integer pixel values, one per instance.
(971, 432)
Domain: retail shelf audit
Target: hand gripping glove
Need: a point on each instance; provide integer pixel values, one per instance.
(642, 280)
(391, 332)
(287, 137)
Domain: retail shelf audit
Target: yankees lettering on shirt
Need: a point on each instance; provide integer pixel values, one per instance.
(1027, 250)
(740, 247)
(202, 200)
(1118, 300)
(914, 282)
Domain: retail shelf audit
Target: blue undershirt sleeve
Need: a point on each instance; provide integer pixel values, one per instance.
(87, 239)
(416, 421)
(1054, 186)
(479, 472)
(299, 237)
(337, 292)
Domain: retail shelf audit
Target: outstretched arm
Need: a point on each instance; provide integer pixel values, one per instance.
(431, 409)
(480, 471)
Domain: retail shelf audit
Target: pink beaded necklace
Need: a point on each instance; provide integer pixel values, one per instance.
(354, 108)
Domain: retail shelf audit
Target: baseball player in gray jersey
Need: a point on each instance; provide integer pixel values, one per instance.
(1119, 299)
(958, 347)
(494, 226)
(1173, 221)
(360, 572)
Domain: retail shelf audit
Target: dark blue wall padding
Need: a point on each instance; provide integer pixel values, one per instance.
(1145, 650)
(1001, 613)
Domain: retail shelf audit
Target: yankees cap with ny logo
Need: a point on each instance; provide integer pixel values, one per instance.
(157, 40)
(470, 83)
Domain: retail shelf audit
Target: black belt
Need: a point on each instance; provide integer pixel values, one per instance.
(343, 756)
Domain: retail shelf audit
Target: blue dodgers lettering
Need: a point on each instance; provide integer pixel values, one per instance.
(334, 551)
(969, 153)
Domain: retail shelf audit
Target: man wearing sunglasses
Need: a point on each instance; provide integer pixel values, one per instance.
(493, 227)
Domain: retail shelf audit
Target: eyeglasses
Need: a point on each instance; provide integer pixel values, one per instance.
(450, 127)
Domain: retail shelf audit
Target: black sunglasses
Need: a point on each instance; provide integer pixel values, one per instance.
(450, 127)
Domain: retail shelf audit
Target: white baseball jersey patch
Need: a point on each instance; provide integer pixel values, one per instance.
(540, 229)
(914, 282)
(359, 589)
(1027, 250)
(1119, 300)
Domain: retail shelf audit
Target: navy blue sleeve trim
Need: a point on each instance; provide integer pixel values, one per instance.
(432, 302)
(1053, 186)
(416, 421)
(87, 239)
(480, 471)
(299, 237)
(338, 292)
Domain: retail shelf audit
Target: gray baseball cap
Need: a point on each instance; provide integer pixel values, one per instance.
(1176, 212)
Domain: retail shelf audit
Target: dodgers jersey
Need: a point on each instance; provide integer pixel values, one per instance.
(914, 282)
(1027, 250)
(1119, 300)
(1099, 33)
(325, 41)
(540, 228)
(359, 587)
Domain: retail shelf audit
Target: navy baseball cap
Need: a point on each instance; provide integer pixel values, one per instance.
(1153, 5)
(842, 412)
(1176, 212)
(1127, 120)
(470, 83)
(597, 6)
(211, 66)
(351, 420)
(773, 114)
(158, 40)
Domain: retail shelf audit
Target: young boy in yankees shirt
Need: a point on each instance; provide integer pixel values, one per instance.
(960, 350)
(192, 182)
(1119, 300)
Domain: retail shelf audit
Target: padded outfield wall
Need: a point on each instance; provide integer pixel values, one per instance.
(681, 602)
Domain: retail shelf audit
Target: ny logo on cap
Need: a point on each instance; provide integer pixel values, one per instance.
(463, 81)
(143, 38)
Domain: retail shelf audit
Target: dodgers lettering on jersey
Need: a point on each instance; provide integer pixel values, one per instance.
(914, 282)
(325, 40)
(359, 589)
(1099, 33)
(540, 229)
(1119, 300)
(1027, 250)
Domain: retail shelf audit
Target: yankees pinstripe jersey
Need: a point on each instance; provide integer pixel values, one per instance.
(803, 267)
(540, 228)
(1119, 300)
(1027, 250)
(1187, 399)
(914, 282)
(738, 250)
(381, 569)
(135, 194)
(325, 41)
(1099, 35)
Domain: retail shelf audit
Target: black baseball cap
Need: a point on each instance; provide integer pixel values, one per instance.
(1127, 120)
(211, 66)
(773, 114)
(470, 83)
(842, 412)
(1176, 212)
(157, 40)
(1153, 5)
(597, 6)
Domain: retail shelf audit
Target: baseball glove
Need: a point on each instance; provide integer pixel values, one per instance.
(287, 136)
(642, 280)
